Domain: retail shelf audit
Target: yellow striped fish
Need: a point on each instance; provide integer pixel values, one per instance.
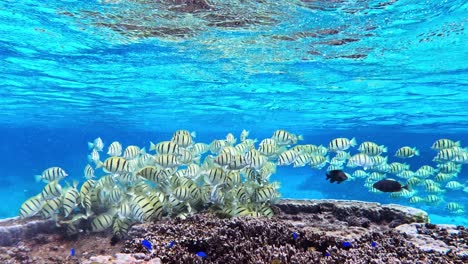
(444, 144)
(70, 199)
(167, 160)
(183, 138)
(115, 149)
(406, 152)
(51, 190)
(165, 147)
(31, 206)
(89, 172)
(132, 152)
(287, 157)
(115, 165)
(215, 176)
(51, 208)
(371, 148)
(341, 144)
(102, 222)
(153, 174)
(51, 174)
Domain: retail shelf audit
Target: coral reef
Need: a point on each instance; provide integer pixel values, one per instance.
(309, 231)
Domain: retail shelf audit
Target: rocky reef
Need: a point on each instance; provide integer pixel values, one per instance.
(308, 231)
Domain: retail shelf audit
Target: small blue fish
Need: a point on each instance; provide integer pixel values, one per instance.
(201, 254)
(327, 254)
(72, 252)
(146, 244)
(346, 244)
(171, 244)
(374, 244)
(295, 236)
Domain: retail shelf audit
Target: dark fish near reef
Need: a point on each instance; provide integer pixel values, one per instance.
(336, 176)
(295, 236)
(374, 244)
(72, 252)
(389, 186)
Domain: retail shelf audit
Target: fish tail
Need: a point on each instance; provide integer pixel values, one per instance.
(152, 146)
(416, 152)
(406, 187)
(353, 142)
(384, 149)
(90, 145)
(37, 178)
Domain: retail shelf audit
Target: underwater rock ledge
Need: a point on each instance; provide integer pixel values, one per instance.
(302, 231)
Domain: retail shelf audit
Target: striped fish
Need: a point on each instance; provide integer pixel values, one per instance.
(132, 152)
(244, 134)
(97, 144)
(215, 176)
(153, 174)
(237, 162)
(341, 144)
(51, 174)
(183, 138)
(102, 222)
(200, 148)
(283, 137)
(406, 152)
(115, 149)
(70, 200)
(89, 172)
(287, 157)
(165, 147)
(31, 207)
(51, 208)
(362, 160)
(51, 190)
(141, 207)
(120, 227)
(371, 148)
(167, 160)
(444, 143)
(115, 165)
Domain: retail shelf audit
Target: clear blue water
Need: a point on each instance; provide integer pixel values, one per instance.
(391, 72)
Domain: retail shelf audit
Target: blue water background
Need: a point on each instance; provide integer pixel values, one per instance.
(391, 72)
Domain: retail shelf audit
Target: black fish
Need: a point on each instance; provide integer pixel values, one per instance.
(389, 186)
(336, 176)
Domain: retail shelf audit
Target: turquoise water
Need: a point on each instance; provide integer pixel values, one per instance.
(391, 72)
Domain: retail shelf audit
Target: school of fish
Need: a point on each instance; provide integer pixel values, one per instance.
(180, 177)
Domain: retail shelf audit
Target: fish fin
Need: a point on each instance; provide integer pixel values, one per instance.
(384, 149)
(143, 151)
(416, 152)
(193, 134)
(99, 164)
(300, 137)
(90, 145)
(353, 142)
(152, 146)
(37, 178)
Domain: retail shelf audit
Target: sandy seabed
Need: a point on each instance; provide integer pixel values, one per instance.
(302, 231)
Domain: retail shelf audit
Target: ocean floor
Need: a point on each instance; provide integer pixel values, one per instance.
(302, 231)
